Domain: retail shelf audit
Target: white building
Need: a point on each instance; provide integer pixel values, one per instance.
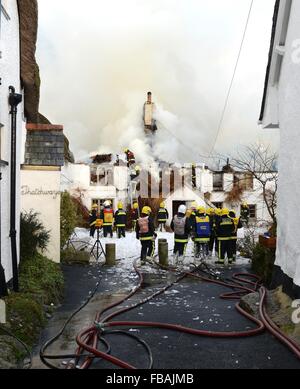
(96, 183)
(10, 76)
(280, 110)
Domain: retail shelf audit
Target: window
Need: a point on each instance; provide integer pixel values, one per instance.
(252, 210)
(218, 182)
(244, 181)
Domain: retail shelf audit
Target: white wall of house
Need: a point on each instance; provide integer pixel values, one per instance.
(288, 249)
(40, 192)
(76, 180)
(10, 75)
(282, 110)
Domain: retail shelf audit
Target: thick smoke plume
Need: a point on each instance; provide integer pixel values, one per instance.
(99, 59)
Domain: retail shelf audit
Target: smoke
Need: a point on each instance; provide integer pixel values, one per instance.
(99, 59)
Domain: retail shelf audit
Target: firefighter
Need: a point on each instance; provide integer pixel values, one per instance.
(92, 219)
(202, 232)
(181, 226)
(225, 231)
(145, 232)
(134, 214)
(129, 157)
(194, 176)
(193, 212)
(162, 217)
(213, 242)
(237, 225)
(245, 213)
(120, 221)
(107, 217)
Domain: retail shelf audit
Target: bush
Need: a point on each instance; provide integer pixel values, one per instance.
(33, 235)
(263, 262)
(68, 218)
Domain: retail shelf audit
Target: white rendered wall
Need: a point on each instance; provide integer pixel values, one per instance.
(10, 74)
(288, 248)
(44, 198)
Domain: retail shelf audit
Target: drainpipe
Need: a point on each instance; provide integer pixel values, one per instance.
(3, 286)
(14, 100)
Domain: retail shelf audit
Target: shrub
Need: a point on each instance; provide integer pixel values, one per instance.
(263, 262)
(68, 218)
(33, 235)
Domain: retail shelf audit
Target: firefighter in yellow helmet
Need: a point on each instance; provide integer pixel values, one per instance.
(145, 232)
(107, 217)
(162, 217)
(237, 224)
(93, 216)
(135, 213)
(225, 231)
(121, 220)
(202, 233)
(213, 242)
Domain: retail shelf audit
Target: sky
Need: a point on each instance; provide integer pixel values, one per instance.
(98, 59)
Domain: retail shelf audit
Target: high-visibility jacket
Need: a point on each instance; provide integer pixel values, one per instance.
(202, 229)
(120, 218)
(184, 236)
(107, 215)
(163, 215)
(225, 228)
(145, 229)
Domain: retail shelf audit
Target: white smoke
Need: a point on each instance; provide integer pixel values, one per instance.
(98, 60)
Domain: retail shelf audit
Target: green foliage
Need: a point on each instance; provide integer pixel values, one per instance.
(68, 218)
(43, 279)
(33, 235)
(263, 262)
(25, 317)
(41, 284)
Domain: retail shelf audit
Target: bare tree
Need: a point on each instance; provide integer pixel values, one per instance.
(261, 163)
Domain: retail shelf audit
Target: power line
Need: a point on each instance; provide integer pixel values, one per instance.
(232, 79)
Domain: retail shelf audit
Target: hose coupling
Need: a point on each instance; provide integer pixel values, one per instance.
(100, 326)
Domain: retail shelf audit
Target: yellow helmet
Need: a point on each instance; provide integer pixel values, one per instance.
(194, 205)
(146, 210)
(245, 204)
(135, 205)
(212, 211)
(120, 205)
(126, 150)
(225, 212)
(201, 210)
(162, 205)
(95, 206)
(208, 211)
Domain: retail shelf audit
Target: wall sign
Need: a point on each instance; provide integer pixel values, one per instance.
(26, 191)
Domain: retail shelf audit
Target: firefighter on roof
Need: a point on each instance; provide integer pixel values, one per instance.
(129, 157)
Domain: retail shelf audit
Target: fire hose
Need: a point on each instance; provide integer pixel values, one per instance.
(87, 339)
(241, 284)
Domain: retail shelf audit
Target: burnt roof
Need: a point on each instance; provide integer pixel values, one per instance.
(275, 19)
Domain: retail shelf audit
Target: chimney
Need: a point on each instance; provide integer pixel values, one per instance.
(149, 100)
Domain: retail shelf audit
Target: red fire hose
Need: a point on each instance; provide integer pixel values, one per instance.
(87, 339)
